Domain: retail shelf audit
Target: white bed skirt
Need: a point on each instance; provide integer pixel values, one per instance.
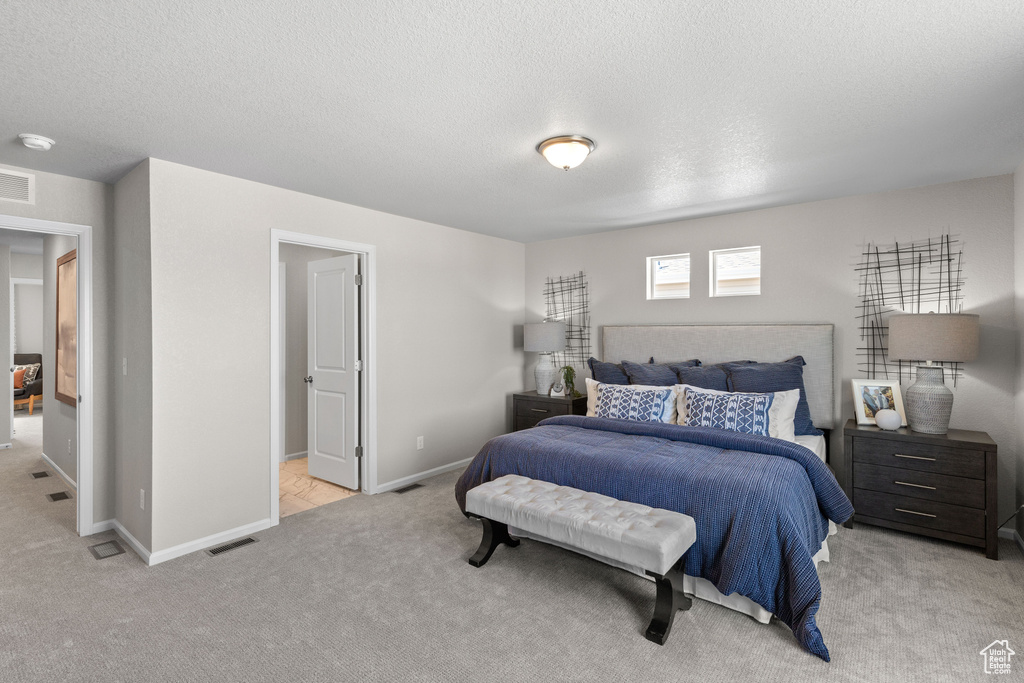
(692, 585)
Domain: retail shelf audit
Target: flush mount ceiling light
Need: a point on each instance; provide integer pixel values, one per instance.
(566, 151)
(36, 142)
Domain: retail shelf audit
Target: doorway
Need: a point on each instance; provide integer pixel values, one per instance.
(65, 446)
(323, 406)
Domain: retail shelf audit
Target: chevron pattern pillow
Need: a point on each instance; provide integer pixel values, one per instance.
(746, 413)
(649, 404)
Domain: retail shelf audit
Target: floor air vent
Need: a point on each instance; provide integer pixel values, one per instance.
(60, 495)
(410, 487)
(40, 475)
(231, 546)
(102, 551)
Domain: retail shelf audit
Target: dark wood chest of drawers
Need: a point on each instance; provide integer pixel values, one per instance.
(529, 408)
(940, 486)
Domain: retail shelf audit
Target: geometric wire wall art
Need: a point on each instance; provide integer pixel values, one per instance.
(567, 299)
(923, 276)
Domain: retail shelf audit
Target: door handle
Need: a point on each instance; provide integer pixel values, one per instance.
(308, 380)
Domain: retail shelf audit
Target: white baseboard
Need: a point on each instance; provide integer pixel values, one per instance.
(294, 456)
(1011, 534)
(6, 445)
(100, 527)
(413, 478)
(67, 480)
(203, 543)
(139, 549)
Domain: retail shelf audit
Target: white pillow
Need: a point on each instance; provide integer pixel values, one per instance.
(781, 415)
(594, 395)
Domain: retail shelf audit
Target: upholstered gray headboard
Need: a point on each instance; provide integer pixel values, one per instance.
(720, 343)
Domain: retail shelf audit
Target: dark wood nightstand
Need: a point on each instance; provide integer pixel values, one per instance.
(529, 408)
(940, 486)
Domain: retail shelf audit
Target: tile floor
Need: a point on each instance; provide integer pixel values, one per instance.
(300, 491)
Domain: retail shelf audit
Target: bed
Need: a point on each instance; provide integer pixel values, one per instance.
(764, 507)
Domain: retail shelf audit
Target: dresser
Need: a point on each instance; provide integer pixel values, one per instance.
(939, 486)
(529, 408)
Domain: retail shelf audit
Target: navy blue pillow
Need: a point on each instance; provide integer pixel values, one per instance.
(608, 373)
(659, 375)
(767, 377)
(706, 377)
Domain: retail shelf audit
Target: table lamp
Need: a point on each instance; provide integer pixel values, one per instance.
(950, 337)
(544, 338)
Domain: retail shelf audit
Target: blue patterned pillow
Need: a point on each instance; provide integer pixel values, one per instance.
(633, 403)
(746, 413)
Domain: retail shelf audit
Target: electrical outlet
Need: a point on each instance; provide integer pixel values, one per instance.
(142, 498)
(69, 446)
(419, 443)
(124, 366)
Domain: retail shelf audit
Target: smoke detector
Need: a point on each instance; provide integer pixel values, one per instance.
(37, 142)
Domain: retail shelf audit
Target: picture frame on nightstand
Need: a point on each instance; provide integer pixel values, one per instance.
(872, 395)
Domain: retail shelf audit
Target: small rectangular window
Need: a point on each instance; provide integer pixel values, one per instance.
(736, 272)
(668, 277)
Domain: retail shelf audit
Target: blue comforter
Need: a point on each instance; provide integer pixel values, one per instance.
(761, 505)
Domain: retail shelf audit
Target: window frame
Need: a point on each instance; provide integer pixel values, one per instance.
(712, 271)
(652, 262)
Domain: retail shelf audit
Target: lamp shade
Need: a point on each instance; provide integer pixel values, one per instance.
(544, 337)
(950, 337)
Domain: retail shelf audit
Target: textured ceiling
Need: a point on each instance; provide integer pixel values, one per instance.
(432, 109)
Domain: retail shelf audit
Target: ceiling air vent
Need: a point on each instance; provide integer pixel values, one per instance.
(17, 187)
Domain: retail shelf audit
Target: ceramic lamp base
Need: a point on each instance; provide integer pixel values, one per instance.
(929, 402)
(545, 373)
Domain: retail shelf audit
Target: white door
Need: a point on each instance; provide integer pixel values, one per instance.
(332, 375)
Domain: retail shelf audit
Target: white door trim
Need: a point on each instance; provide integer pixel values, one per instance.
(85, 355)
(368, 333)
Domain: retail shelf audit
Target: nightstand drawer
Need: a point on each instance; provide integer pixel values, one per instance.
(940, 488)
(924, 513)
(920, 457)
(540, 409)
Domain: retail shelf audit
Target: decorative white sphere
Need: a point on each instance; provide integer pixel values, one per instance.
(888, 419)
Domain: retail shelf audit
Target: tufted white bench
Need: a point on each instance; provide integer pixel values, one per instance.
(650, 538)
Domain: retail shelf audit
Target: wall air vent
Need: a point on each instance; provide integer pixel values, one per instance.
(17, 187)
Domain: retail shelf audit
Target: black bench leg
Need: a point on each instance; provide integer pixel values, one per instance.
(494, 533)
(670, 600)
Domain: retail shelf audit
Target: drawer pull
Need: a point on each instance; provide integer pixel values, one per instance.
(913, 457)
(916, 486)
(911, 512)
(540, 410)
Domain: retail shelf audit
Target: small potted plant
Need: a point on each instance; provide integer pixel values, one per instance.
(569, 380)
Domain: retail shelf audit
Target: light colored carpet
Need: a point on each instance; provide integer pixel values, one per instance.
(377, 588)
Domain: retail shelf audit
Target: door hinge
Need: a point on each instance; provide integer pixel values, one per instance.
(359, 279)
(359, 451)
(359, 366)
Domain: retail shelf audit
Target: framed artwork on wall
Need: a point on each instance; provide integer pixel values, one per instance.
(66, 365)
(872, 395)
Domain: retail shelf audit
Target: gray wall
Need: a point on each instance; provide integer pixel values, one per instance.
(60, 421)
(26, 265)
(295, 258)
(808, 255)
(447, 304)
(1018, 233)
(28, 318)
(6, 397)
(132, 309)
(73, 200)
